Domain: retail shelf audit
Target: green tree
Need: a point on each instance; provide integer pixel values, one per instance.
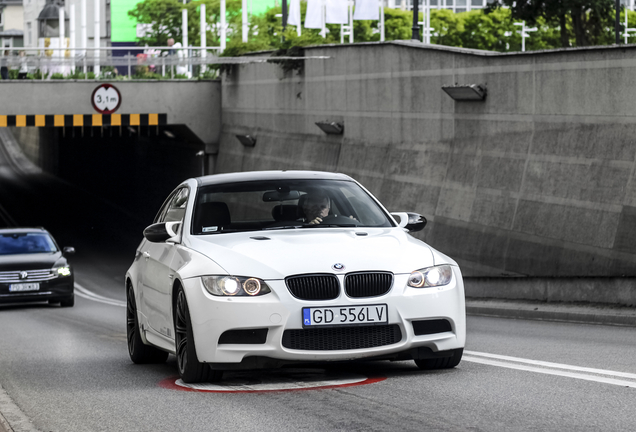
(448, 27)
(165, 19)
(588, 21)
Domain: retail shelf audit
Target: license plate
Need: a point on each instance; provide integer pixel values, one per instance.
(345, 315)
(24, 287)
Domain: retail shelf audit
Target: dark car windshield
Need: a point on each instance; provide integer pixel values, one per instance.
(285, 204)
(26, 243)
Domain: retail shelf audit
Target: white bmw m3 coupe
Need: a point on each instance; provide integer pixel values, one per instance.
(262, 269)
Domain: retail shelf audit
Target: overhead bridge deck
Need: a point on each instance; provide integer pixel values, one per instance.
(68, 103)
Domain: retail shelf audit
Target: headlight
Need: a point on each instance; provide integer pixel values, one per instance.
(235, 286)
(431, 277)
(62, 271)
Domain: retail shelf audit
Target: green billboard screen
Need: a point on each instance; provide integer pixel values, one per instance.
(124, 28)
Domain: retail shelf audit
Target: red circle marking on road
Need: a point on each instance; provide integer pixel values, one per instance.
(242, 385)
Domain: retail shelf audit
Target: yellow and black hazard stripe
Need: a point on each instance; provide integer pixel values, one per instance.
(83, 120)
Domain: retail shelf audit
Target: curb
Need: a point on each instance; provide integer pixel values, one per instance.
(561, 312)
(12, 419)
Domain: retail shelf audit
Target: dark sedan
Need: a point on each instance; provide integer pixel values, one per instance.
(34, 268)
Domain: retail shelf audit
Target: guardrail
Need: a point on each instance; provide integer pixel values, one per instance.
(71, 62)
(135, 62)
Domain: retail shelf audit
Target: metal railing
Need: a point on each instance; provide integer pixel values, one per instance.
(136, 62)
(165, 61)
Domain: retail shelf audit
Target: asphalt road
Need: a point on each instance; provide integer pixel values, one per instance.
(67, 369)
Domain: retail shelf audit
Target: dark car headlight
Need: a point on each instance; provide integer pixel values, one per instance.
(431, 276)
(235, 286)
(64, 270)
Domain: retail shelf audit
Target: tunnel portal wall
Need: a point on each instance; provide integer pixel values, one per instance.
(537, 180)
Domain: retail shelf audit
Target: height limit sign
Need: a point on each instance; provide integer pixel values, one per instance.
(106, 99)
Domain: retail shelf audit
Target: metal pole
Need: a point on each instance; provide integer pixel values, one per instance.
(97, 33)
(203, 32)
(62, 38)
(72, 31)
(382, 21)
(416, 18)
(617, 22)
(222, 35)
(84, 37)
(284, 15)
(184, 31)
(244, 25)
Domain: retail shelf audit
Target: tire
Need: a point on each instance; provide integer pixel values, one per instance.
(190, 369)
(139, 352)
(68, 302)
(442, 362)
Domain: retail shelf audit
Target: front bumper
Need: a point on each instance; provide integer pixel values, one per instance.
(268, 321)
(57, 289)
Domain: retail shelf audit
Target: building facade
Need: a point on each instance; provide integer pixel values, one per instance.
(11, 23)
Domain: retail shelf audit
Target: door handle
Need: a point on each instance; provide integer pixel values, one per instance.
(146, 255)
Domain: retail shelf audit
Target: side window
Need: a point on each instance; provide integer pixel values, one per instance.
(176, 209)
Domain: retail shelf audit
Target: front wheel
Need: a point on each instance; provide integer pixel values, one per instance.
(191, 369)
(441, 362)
(138, 351)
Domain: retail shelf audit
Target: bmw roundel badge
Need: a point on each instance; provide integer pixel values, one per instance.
(338, 267)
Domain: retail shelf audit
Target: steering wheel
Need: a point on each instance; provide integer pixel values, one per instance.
(339, 220)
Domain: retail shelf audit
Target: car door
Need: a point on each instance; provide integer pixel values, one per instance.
(158, 274)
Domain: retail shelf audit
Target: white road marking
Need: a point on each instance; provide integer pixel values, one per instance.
(89, 295)
(549, 368)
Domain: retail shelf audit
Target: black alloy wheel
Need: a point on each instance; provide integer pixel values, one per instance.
(191, 369)
(138, 351)
(443, 362)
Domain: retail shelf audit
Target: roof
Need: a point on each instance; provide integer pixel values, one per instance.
(11, 32)
(269, 175)
(51, 12)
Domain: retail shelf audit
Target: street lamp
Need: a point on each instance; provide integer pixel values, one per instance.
(617, 21)
(416, 23)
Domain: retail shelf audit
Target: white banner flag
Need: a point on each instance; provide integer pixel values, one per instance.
(367, 10)
(337, 12)
(313, 16)
(294, 13)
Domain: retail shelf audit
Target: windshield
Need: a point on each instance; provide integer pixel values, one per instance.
(285, 204)
(26, 243)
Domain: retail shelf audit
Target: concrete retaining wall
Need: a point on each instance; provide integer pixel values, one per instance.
(538, 180)
(610, 291)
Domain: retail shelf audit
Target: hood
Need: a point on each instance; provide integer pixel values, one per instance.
(277, 254)
(29, 261)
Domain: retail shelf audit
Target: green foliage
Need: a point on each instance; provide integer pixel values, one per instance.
(166, 19)
(559, 23)
(580, 22)
(57, 75)
(37, 75)
(13, 74)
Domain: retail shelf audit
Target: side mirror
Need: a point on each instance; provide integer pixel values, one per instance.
(67, 251)
(161, 232)
(411, 221)
(416, 222)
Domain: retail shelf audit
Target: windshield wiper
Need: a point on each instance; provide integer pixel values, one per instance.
(329, 225)
(283, 227)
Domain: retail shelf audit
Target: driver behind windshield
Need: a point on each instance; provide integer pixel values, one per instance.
(315, 206)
